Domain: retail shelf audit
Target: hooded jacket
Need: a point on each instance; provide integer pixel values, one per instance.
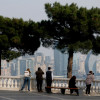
(89, 79)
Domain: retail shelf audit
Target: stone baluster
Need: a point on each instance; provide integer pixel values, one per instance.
(20, 83)
(81, 83)
(0, 82)
(54, 83)
(84, 83)
(92, 86)
(98, 87)
(34, 84)
(31, 84)
(4, 83)
(95, 86)
(12, 83)
(9, 83)
(65, 85)
(77, 83)
(59, 83)
(15, 83)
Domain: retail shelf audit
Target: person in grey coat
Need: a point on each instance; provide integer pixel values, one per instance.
(89, 80)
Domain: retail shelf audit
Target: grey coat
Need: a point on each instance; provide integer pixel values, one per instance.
(89, 79)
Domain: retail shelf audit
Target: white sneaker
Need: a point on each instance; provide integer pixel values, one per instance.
(88, 94)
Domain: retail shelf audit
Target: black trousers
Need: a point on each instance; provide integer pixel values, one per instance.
(49, 82)
(39, 85)
(88, 89)
(72, 90)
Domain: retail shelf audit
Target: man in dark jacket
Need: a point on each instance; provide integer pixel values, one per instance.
(39, 77)
(49, 77)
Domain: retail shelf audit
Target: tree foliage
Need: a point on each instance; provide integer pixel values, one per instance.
(72, 28)
(17, 34)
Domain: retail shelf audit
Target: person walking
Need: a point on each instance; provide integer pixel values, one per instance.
(72, 84)
(27, 75)
(49, 77)
(39, 78)
(89, 80)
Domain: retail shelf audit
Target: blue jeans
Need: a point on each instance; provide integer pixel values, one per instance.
(26, 80)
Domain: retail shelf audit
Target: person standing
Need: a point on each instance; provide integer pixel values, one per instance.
(49, 77)
(27, 75)
(89, 80)
(72, 84)
(39, 78)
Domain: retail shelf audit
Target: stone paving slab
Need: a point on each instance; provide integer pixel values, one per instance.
(24, 95)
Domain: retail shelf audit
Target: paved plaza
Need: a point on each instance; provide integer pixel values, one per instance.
(24, 95)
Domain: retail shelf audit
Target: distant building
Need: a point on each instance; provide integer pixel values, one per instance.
(94, 68)
(60, 63)
(98, 66)
(47, 61)
(82, 67)
(40, 62)
(12, 68)
(24, 63)
(78, 68)
(5, 70)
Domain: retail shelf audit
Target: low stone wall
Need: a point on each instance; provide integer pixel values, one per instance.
(16, 82)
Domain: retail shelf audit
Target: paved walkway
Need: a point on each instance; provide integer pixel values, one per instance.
(24, 95)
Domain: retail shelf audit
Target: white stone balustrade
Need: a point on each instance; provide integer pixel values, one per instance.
(15, 83)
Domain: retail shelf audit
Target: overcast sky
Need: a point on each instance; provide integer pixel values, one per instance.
(34, 10)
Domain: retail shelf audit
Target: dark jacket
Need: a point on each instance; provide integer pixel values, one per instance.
(72, 83)
(39, 75)
(48, 75)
